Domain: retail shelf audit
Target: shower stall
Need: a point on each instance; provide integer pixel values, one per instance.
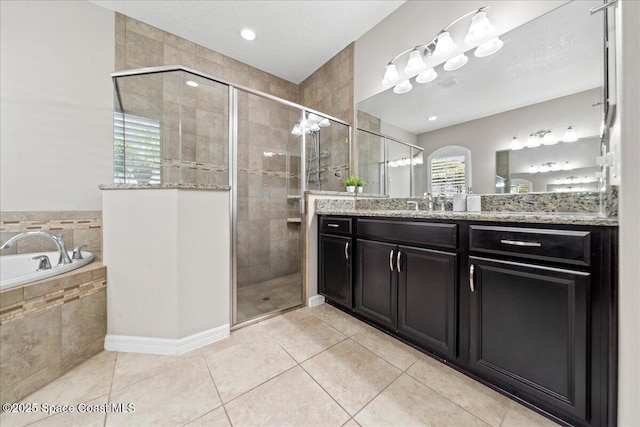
(175, 125)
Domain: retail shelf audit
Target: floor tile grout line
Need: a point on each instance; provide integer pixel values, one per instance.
(376, 396)
(449, 399)
(113, 375)
(329, 394)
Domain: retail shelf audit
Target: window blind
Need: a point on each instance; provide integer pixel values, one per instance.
(136, 157)
(448, 174)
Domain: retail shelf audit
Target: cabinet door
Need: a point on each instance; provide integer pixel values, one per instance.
(376, 294)
(426, 298)
(335, 269)
(529, 329)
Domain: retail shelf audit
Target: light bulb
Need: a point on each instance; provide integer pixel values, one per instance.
(569, 135)
(415, 64)
(515, 144)
(480, 29)
(297, 131)
(314, 127)
(444, 45)
(324, 123)
(549, 139)
(456, 62)
(391, 76)
(312, 118)
(533, 141)
(489, 47)
(533, 169)
(566, 166)
(427, 76)
(403, 87)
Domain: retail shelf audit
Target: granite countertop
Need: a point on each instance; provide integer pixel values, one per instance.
(524, 217)
(175, 186)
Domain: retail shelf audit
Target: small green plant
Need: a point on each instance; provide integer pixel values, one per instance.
(360, 182)
(350, 182)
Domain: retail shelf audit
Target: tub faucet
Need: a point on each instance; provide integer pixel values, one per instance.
(57, 239)
(443, 199)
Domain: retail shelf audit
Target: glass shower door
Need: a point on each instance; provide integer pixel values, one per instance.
(267, 198)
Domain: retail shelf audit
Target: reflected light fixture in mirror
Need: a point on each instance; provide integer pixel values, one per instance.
(481, 34)
(569, 135)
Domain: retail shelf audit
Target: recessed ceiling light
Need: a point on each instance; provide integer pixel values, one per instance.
(432, 118)
(192, 83)
(248, 34)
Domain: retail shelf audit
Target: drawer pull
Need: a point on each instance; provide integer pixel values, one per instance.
(333, 225)
(391, 260)
(399, 262)
(346, 251)
(519, 243)
(471, 284)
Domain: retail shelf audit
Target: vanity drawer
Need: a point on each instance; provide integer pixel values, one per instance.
(410, 232)
(335, 225)
(570, 247)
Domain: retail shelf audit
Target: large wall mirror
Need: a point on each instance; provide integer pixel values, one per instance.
(545, 88)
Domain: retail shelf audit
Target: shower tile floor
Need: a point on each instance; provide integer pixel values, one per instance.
(309, 367)
(277, 294)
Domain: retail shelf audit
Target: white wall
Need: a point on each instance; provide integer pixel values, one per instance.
(168, 263)
(629, 291)
(487, 135)
(56, 109)
(417, 22)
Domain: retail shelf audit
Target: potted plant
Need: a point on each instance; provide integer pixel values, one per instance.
(351, 184)
(360, 184)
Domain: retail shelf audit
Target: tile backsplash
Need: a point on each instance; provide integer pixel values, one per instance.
(77, 228)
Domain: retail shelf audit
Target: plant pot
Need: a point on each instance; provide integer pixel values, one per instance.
(351, 188)
(360, 189)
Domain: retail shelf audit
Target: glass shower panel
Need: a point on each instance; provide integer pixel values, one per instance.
(371, 164)
(326, 153)
(419, 179)
(268, 237)
(171, 127)
(398, 169)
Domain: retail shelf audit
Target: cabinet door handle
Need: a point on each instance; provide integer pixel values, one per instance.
(520, 243)
(346, 250)
(399, 262)
(333, 225)
(391, 260)
(471, 284)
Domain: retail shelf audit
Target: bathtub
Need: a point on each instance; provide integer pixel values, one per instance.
(20, 269)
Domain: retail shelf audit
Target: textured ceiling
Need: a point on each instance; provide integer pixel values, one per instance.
(557, 54)
(294, 38)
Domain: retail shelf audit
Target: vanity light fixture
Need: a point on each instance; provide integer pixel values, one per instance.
(533, 141)
(310, 123)
(481, 34)
(549, 138)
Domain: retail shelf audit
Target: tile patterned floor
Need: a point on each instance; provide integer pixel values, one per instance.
(277, 294)
(310, 367)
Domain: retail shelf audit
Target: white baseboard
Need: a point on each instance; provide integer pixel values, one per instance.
(129, 344)
(315, 300)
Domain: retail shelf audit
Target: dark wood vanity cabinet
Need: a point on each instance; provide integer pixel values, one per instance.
(541, 320)
(408, 290)
(335, 249)
(528, 309)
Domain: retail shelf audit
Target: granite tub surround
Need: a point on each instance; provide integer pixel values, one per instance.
(49, 327)
(397, 208)
(77, 228)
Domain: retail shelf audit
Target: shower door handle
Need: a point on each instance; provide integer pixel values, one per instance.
(346, 251)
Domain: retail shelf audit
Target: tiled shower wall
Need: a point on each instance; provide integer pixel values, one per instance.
(268, 172)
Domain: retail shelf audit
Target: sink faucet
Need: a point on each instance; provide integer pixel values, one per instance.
(57, 239)
(414, 205)
(429, 198)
